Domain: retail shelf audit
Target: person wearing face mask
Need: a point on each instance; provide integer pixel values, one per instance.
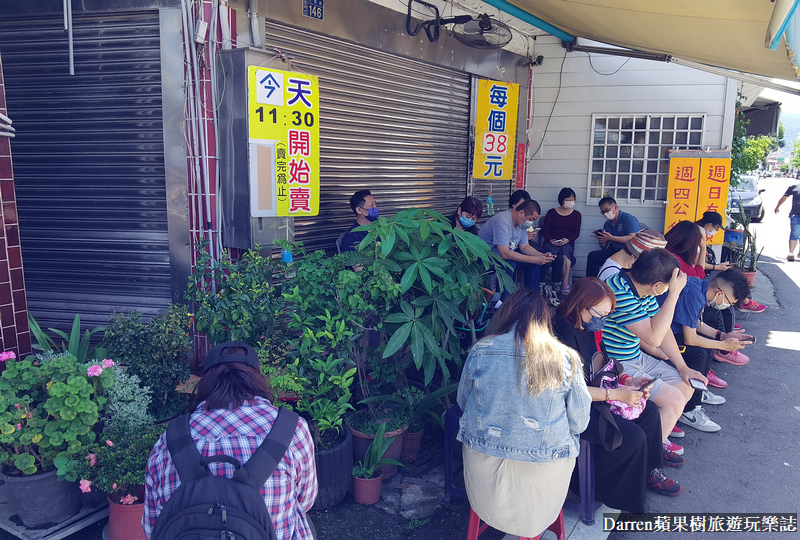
(366, 210)
(560, 229)
(701, 339)
(467, 213)
(506, 232)
(638, 333)
(628, 453)
(710, 224)
(618, 229)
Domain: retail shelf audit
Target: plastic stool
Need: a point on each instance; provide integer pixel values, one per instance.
(587, 505)
(475, 527)
(451, 425)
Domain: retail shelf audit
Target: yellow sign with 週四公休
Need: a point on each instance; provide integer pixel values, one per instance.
(495, 130)
(283, 120)
(682, 189)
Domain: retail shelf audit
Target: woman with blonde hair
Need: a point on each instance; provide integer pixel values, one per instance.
(524, 403)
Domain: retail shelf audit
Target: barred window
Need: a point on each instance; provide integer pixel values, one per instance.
(630, 154)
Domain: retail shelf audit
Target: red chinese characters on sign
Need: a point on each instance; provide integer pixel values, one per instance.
(299, 171)
(299, 143)
(685, 174)
(682, 189)
(718, 173)
(299, 199)
(681, 193)
(712, 196)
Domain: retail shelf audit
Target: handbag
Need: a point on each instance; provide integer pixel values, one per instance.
(608, 378)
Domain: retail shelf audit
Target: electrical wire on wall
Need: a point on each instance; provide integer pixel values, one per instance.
(610, 73)
(555, 102)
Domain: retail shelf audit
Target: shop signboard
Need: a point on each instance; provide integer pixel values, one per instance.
(283, 111)
(495, 130)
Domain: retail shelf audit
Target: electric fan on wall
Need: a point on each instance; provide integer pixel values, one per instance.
(482, 32)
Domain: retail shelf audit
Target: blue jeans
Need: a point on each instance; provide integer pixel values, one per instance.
(794, 222)
(528, 274)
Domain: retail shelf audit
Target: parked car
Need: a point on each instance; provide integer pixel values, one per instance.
(748, 192)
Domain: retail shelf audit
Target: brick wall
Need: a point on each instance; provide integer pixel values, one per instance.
(14, 335)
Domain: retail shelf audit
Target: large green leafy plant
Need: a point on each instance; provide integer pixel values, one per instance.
(234, 300)
(154, 352)
(440, 272)
(48, 407)
(374, 457)
(75, 344)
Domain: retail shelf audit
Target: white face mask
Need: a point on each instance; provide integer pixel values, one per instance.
(527, 224)
(609, 215)
(569, 205)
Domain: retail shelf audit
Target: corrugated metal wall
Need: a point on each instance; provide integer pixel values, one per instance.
(394, 125)
(89, 163)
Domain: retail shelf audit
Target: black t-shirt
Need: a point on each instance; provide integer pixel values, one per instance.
(352, 238)
(794, 191)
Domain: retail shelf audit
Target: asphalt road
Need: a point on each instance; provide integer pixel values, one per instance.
(753, 463)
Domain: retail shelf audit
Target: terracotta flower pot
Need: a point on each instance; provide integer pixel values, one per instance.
(411, 444)
(367, 490)
(361, 442)
(125, 521)
(751, 277)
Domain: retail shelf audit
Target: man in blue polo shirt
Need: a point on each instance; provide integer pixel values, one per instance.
(725, 289)
(637, 333)
(618, 229)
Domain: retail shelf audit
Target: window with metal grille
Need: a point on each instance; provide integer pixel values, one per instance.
(630, 154)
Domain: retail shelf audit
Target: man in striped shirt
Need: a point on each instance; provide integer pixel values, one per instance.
(638, 333)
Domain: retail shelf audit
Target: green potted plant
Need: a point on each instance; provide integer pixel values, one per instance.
(418, 408)
(155, 353)
(366, 424)
(116, 465)
(745, 255)
(48, 406)
(368, 474)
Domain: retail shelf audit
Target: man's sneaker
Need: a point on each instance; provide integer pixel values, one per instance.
(732, 357)
(753, 306)
(698, 420)
(790, 257)
(657, 481)
(671, 459)
(710, 398)
(677, 433)
(715, 381)
(670, 446)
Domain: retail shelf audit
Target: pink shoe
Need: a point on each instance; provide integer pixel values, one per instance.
(715, 381)
(737, 327)
(670, 446)
(677, 433)
(733, 357)
(753, 307)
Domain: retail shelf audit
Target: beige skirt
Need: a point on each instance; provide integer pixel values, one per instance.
(516, 497)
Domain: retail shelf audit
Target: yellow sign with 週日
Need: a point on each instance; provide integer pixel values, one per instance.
(495, 130)
(682, 190)
(715, 177)
(283, 114)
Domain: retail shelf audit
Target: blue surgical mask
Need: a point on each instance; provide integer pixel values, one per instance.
(373, 214)
(527, 224)
(466, 222)
(595, 323)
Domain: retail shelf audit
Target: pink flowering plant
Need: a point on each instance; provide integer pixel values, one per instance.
(116, 464)
(48, 406)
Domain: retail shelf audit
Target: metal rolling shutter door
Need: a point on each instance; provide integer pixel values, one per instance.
(394, 125)
(89, 164)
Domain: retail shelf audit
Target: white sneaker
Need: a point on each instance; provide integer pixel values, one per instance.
(698, 420)
(710, 398)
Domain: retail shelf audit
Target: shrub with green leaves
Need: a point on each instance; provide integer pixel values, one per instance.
(127, 404)
(234, 300)
(154, 352)
(48, 409)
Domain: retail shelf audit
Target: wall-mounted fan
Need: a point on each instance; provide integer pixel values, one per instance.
(482, 32)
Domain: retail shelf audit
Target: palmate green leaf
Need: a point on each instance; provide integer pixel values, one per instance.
(449, 310)
(387, 242)
(417, 344)
(407, 309)
(395, 318)
(506, 282)
(437, 270)
(401, 232)
(428, 338)
(476, 246)
(423, 301)
(444, 245)
(391, 266)
(398, 339)
(409, 277)
(405, 256)
(426, 278)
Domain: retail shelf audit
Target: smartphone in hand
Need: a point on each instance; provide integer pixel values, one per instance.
(649, 383)
(697, 384)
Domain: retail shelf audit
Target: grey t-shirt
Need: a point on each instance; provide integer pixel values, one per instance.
(500, 231)
(794, 193)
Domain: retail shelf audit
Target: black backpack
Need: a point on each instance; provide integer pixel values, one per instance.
(215, 507)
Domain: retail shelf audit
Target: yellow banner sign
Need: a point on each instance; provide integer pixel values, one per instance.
(283, 110)
(697, 186)
(684, 175)
(495, 130)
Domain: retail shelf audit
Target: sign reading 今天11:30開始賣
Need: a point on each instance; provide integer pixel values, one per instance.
(283, 111)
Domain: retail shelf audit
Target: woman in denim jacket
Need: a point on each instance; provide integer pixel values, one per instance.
(525, 403)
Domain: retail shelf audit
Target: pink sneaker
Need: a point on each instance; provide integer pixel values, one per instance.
(670, 446)
(753, 307)
(677, 433)
(733, 357)
(715, 381)
(737, 327)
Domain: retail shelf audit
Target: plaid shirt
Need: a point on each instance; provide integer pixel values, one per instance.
(289, 493)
